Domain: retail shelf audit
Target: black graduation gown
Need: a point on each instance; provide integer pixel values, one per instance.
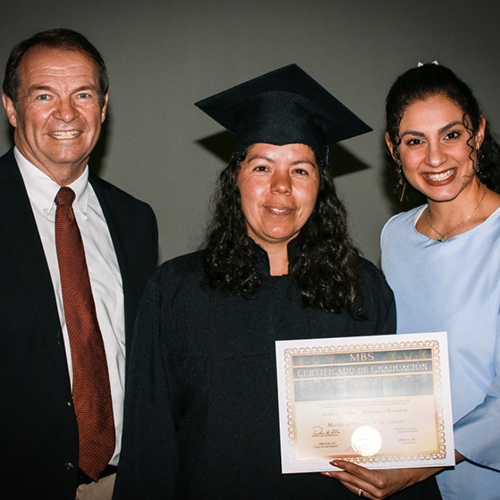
(201, 417)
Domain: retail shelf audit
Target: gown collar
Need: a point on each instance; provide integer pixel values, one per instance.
(263, 258)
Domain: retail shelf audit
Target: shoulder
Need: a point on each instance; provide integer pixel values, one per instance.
(183, 265)
(403, 221)
(373, 284)
(8, 166)
(377, 299)
(179, 273)
(123, 206)
(371, 277)
(105, 189)
(174, 290)
(8, 157)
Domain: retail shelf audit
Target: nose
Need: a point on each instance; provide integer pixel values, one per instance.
(66, 111)
(281, 183)
(435, 155)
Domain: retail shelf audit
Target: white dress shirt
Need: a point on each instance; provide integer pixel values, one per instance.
(105, 277)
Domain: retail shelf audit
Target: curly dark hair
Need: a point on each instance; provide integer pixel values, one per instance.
(60, 38)
(326, 263)
(433, 79)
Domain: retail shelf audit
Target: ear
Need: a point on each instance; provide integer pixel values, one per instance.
(390, 145)
(480, 131)
(104, 108)
(10, 110)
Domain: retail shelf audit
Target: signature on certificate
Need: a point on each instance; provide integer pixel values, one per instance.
(318, 431)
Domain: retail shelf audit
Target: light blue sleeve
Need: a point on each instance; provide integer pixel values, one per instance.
(477, 434)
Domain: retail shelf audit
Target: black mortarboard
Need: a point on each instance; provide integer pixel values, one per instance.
(285, 106)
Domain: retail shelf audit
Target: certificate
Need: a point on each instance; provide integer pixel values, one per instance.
(380, 402)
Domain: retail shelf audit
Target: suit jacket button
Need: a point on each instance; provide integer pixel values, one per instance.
(69, 466)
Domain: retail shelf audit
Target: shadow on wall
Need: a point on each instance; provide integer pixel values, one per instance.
(342, 161)
(100, 150)
(220, 145)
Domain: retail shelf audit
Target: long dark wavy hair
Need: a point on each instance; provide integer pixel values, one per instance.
(325, 266)
(430, 80)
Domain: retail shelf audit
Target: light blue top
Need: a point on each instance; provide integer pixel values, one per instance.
(454, 286)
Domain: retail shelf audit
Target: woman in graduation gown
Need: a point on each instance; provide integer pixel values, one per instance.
(201, 417)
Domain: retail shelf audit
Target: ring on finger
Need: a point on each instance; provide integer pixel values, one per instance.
(360, 492)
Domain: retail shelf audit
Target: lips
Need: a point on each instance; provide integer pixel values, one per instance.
(440, 178)
(61, 135)
(280, 211)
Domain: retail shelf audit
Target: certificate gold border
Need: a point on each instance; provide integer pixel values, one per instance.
(384, 460)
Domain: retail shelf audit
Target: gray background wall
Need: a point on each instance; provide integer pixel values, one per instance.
(164, 55)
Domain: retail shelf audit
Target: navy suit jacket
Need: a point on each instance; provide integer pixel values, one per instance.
(38, 428)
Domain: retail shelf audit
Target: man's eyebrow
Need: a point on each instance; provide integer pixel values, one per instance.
(37, 88)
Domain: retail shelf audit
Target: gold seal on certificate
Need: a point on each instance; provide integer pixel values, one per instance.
(366, 441)
(381, 401)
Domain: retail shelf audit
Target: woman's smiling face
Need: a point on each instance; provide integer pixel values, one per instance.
(437, 151)
(278, 186)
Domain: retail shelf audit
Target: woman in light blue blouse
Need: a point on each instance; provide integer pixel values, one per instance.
(442, 261)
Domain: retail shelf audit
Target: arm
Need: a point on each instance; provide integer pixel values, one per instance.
(477, 435)
(148, 461)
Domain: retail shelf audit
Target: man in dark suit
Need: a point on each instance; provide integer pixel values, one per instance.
(73, 266)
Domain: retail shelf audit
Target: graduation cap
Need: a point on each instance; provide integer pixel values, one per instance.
(285, 106)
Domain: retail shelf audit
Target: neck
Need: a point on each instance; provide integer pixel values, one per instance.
(277, 255)
(278, 263)
(446, 219)
(454, 211)
(62, 174)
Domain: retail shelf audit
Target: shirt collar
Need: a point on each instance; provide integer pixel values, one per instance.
(42, 190)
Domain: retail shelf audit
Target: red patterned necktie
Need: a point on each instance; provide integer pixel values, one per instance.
(91, 388)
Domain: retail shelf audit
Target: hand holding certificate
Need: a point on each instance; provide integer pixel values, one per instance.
(380, 402)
